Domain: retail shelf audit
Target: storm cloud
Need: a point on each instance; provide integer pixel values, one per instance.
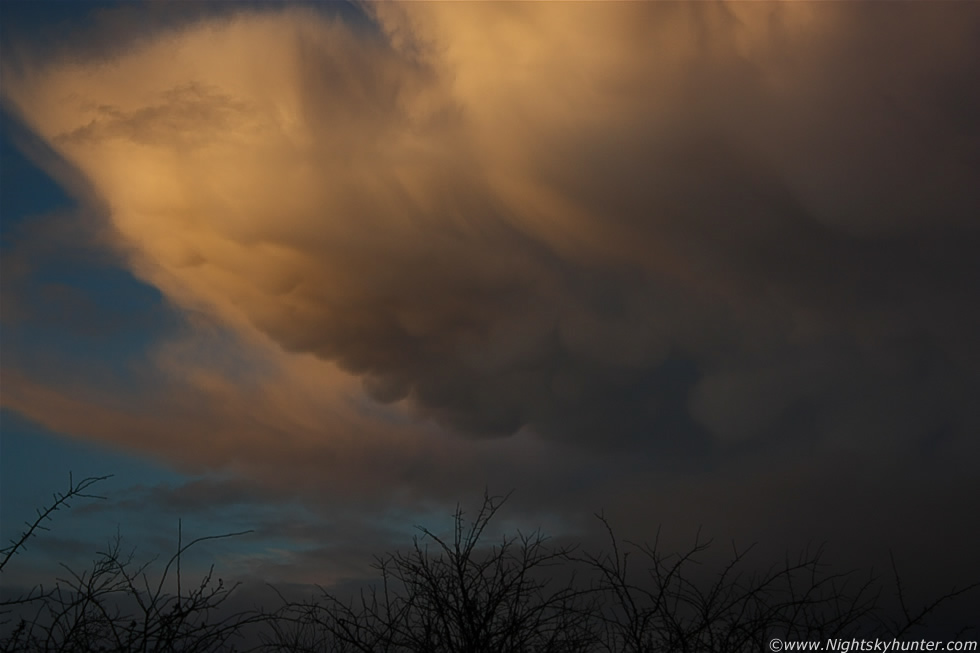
(689, 228)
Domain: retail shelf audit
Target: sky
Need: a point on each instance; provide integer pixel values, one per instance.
(324, 271)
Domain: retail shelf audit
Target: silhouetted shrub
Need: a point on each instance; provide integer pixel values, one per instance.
(459, 593)
(117, 605)
(452, 594)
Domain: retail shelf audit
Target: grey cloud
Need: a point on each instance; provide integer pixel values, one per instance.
(687, 242)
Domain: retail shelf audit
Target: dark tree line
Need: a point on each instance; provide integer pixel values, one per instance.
(461, 593)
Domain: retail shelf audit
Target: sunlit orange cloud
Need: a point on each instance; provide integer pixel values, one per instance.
(288, 422)
(500, 218)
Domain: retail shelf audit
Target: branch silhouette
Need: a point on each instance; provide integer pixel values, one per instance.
(465, 591)
(61, 500)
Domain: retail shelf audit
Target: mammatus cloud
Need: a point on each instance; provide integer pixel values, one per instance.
(685, 227)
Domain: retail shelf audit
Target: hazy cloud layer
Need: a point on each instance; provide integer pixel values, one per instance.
(685, 230)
